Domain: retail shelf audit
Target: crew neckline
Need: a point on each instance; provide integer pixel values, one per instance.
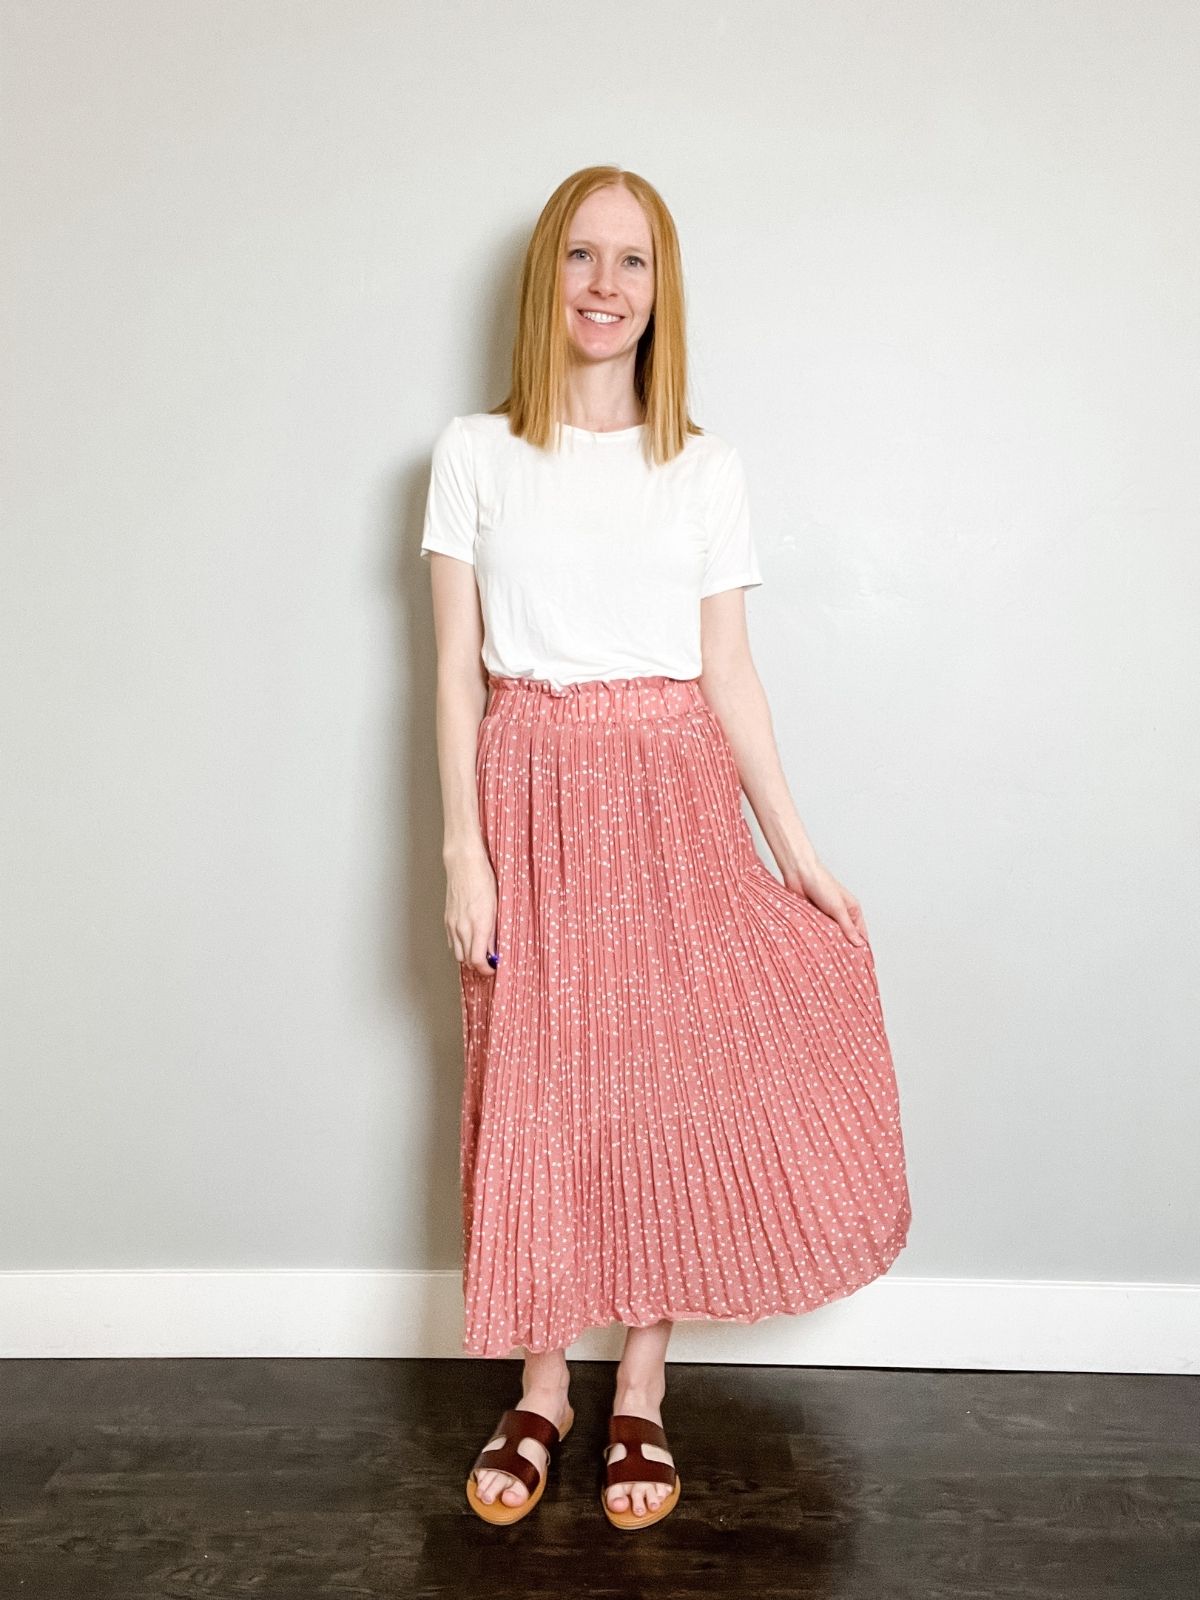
(611, 433)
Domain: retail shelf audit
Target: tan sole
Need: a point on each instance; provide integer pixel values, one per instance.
(497, 1513)
(629, 1520)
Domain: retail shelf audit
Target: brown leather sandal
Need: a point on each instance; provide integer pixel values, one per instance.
(632, 1466)
(501, 1454)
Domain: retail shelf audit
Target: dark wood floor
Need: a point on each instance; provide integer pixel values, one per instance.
(301, 1478)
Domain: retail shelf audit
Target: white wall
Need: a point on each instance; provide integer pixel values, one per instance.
(941, 266)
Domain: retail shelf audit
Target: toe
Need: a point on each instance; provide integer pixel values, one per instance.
(514, 1492)
(501, 1485)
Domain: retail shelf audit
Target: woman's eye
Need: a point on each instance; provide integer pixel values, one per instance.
(580, 251)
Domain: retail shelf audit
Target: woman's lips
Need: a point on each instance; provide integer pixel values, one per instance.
(592, 323)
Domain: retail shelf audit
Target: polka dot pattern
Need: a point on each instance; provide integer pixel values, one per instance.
(678, 1099)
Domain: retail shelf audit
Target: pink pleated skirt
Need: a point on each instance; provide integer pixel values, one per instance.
(678, 1099)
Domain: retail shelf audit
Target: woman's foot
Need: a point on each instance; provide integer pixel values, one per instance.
(548, 1401)
(634, 1494)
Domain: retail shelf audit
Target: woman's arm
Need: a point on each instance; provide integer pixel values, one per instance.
(461, 701)
(731, 686)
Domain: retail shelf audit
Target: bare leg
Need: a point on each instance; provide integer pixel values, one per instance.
(640, 1388)
(544, 1390)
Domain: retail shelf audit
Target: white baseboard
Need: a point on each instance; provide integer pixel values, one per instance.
(941, 1323)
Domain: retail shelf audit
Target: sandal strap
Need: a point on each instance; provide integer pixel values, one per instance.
(517, 1424)
(635, 1467)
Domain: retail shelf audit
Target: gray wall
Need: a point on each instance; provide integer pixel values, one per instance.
(941, 276)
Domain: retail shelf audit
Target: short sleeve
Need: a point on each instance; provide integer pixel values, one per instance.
(732, 561)
(451, 513)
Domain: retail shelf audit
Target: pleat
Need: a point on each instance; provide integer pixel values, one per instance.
(679, 1099)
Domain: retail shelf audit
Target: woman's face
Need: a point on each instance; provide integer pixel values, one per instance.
(608, 267)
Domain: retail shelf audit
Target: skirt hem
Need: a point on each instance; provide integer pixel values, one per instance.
(784, 1306)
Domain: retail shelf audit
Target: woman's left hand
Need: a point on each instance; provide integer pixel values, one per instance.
(820, 886)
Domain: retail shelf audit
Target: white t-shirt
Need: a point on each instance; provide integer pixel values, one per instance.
(589, 562)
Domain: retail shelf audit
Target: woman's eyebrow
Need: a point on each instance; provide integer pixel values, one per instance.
(642, 250)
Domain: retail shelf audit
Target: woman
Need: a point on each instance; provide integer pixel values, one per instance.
(679, 1100)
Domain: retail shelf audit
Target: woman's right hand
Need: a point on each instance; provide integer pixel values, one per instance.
(471, 909)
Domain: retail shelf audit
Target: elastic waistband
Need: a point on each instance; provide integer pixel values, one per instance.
(595, 700)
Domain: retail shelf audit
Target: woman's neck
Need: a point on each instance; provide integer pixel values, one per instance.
(603, 408)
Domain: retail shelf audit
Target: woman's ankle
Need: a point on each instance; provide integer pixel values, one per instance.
(638, 1390)
(546, 1374)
